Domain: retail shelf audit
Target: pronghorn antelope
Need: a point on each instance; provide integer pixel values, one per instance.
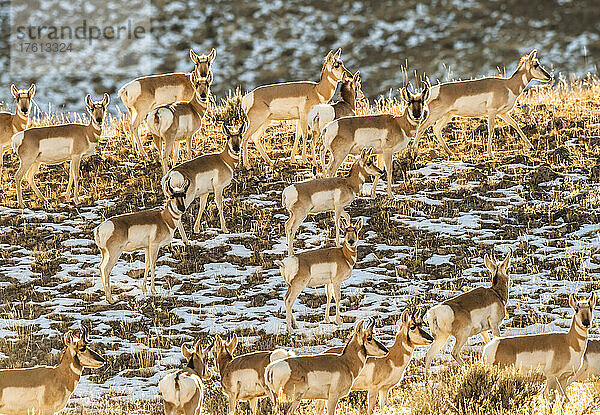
(182, 120)
(324, 376)
(328, 267)
(209, 173)
(242, 377)
(381, 374)
(56, 144)
(183, 390)
(491, 97)
(558, 356)
(10, 124)
(591, 363)
(479, 310)
(148, 230)
(289, 101)
(46, 389)
(141, 95)
(385, 133)
(322, 114)
(325, 195)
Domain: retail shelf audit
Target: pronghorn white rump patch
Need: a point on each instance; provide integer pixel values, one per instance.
(489, 351)
(279, 354)
(17, 140)
(320, 115)
(130, 92)
(159, 120)
(366, 136)
(277, 374)
(175, 178)
(330, 132)
(22, 399)
(103, 232)
(248, 101)
(290, 268)
(434, 92)
(186, 388)
(440, 318)
(289, 196)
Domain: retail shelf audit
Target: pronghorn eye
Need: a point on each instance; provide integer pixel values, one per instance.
(82, 349)
(414, 326)
(369, 338)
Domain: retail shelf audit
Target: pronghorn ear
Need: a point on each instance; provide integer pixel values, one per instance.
(358, 224)
(68, 338)
(405, 94)
(31, 91)
(405, 317)
(533, 54)
(592, 300)
(210, 78)
(212, 55)
(505, 265)
(106, 99)
(356, 76)
(358, 329)
(185, 351)
(198, 347)
(243, 127)
(225, 130)
(193, 78)
(572, 301)
(338, 53)
(328, 56)
(232, 344)
(489, 263)
(88, 101)
(363, 154)
(14, 91)
(426, 92)
(193, 56)
(343, 224)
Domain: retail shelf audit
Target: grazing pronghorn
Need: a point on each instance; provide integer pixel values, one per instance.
(558, 356)
(322, 114)
(381, 374)
(183, 390)
(385, 133)
(141, 95)
(328, 267)
(182, 120)
(209, 173)
(46, 389)
(10, 124)
(591, 363)
(289, 101)
(147, 229)
(326, 376)
(325, 195)
(56, 144)
(243, 377)
(491, 97)
(479, 310)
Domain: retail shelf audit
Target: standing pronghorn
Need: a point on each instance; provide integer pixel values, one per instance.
(324, 376)
(381, 374)
(385, 133)
(56, 144)
(141, 95)
(47, 389)
(209, 173)
(243, 377)
(558, 356)
(491, 97)
(183, 390)
(147, 229)
(10, 124)
(289, 101)
(479, 310)
(322, 114)
(325, 195)
(328, 267)
(179, 121)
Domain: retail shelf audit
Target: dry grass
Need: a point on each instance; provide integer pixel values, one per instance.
(563, 124)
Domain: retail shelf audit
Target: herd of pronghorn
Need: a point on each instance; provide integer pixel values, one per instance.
(173, 107)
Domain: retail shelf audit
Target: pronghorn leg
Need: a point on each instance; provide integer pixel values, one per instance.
(336, 223)
(562, 387)
(303, 123)
(331, 404)
(109, 259)
(31, 179)
(320, 406)
(292, 293)
(146, 268)
(182, 233)
(219, 201)
(67, 193)
(461, 339)
(427, 122)
(510, 121)
(383, 397)
(337, 158)
(203, 200)
(337, 293)
(261, 149)
(135, 126)
(153, 257)
(437, 130)
(491, 125)
(231, 401)
(376, 179)
(167, 150)
(434, 349)
(194, 406)
(297, 138)
(24, 166)
(328, 292)
(256, 118)
(253, 405)
(189, 145)
(75, 165)
(486, 336)
(176, 148)
(292, 225)
(169, 408)
(371, 400)
(389, 166)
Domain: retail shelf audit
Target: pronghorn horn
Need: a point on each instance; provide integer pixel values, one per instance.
(85, 334)
(370, 323)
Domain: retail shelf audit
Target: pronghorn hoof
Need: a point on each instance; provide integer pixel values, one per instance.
(224, 230)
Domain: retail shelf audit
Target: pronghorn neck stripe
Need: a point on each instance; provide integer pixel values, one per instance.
(326, 86)
(199, 106)
(21, 115)
(356, 178)
(349, 254)
(172, 215)
(222, 363)
(402, 347)
(229, 158)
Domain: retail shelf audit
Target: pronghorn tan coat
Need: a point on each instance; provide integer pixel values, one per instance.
(209, 173)
(179, 121)
(10, 124)
(489, 97)
(386, 134)
(477, 311)
(243, 377)
(558, 356)
(325, 195)
(326, 376)
(149, 230)
(289, 101)
(56, 144)
(591, 362)
(47, 389)
(328, 267)
(143, 94)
